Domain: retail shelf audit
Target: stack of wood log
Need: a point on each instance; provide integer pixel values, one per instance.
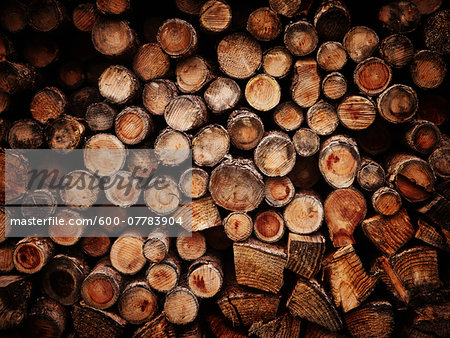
(320, 177)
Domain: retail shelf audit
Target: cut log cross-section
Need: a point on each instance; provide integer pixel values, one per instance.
(305, 254)
(412, 176)
(428, 69)
(31, 254)
(156, 246)
(423, 136)
(215, 16)
(238, 226)
(277, 61)
(288, 116)
(304, 214)
(104, 154)
(157, 94)
(191, 246)
(200, 214)
(48, 104)
(269, 226)
(356, 112)
(350, 284)
(127, 254)
(322, 118)
(397, 50)
(331, 56)
(172, 147)
(264, 24)
(163, 276)
(386, 201)
(399, 17)
(279, 191)
(398, 103)
(194, 182)
(115, 7)
(113, 37)
(410, 272)
(205, 276)
(137, 303)
(373, 319)
(181, 306)
(132, 125)
(240, 180)
(275, 154)
(193, 74)
(65, 132)
(63, 277)
(372, 76)
(118, 84)
(222, 95)
(185, 112)
(84, 17)
(344, 209)
(306, 142)
(360, 42)
(25, 134)
(177, 38)
(102, 286)
(259, 265)
(300, 38)
(332, 20)
(100, 116)
(45, 16)
(309, 301)
(262, 92)
(150, 62)
(389, 233)
(210, 145)
(371, 175)
(245, 129)
(305, 87)
(334, 86)
(243, 306)
(339, 161)
(239, 55)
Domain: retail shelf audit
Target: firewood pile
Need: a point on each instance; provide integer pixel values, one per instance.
(319, 181)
